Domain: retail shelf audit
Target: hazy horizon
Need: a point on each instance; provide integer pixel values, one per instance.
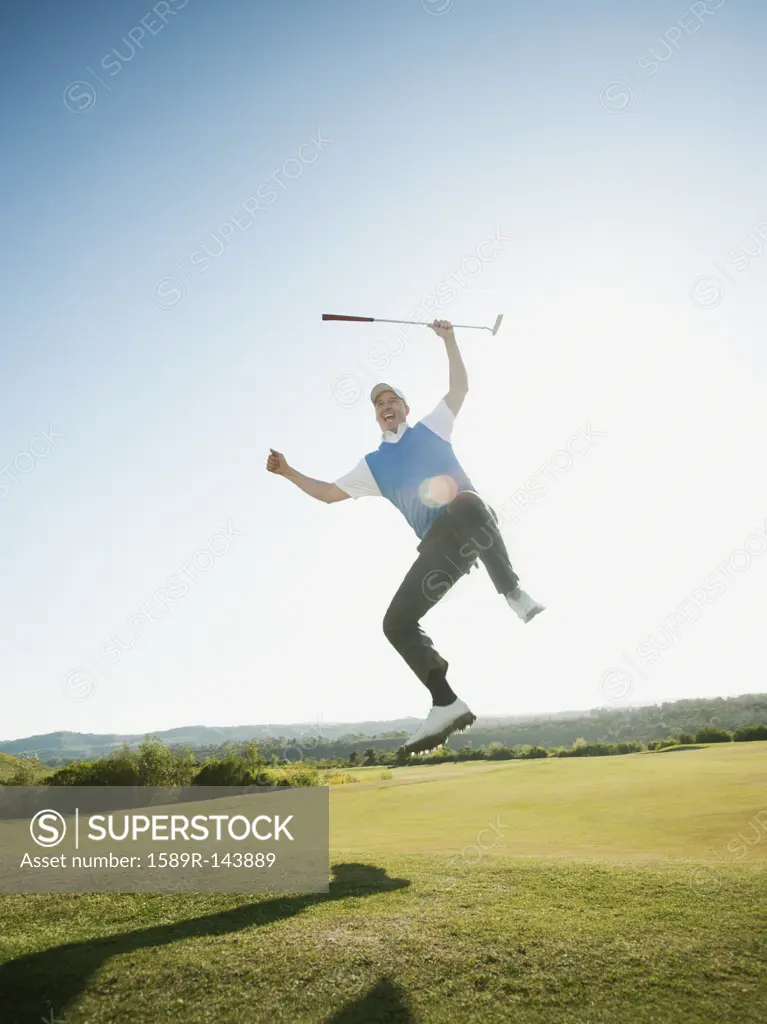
(317, 726)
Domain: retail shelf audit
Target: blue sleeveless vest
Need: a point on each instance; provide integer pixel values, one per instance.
(403, 469)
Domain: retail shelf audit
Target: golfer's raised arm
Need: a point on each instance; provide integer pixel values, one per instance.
(322, 490)
(459, 379)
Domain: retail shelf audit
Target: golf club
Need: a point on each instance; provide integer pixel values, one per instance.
(418, 323)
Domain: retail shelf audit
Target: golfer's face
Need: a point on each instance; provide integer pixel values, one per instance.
(390, 411)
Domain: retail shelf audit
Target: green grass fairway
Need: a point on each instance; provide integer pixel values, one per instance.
(585, 891)
(654, 806)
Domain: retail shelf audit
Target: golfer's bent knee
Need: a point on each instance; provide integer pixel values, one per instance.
(392, 626)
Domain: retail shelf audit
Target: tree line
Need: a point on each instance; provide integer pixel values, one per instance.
(600, 725)
(154, 763)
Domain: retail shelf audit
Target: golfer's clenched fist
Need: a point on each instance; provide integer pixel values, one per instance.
(277, 463)
(444, 329)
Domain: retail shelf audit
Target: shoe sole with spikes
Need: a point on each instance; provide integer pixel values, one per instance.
(432, 742)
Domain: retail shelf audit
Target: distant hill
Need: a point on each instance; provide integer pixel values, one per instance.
(77, 745)
(62, 746)
(612, 725)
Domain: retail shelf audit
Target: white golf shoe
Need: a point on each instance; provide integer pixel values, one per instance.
(526, 608)
(440, 723)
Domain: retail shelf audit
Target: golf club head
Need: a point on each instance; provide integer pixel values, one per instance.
(497, 323)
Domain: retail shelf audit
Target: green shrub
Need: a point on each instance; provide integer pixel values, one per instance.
(241, 765)
(756, 731)
(152, 764)
(230, 772)
(588, 750)
(670, 741)
(439, 756)
(158, 765)
(120, 768)
(72, 775)
(296, 775)
(498, 752)
(25, 772)
(710, 734)
(528, 753)
(469, 754)
(343, 778)
(628, 748)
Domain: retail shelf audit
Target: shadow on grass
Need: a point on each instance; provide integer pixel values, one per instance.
(39, 984)
(385, 1003)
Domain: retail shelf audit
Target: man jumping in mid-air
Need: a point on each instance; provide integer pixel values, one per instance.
(417, 470)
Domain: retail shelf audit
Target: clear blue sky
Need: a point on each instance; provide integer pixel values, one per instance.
(618, 149)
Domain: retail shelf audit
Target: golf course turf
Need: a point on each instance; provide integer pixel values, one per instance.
(581, 890)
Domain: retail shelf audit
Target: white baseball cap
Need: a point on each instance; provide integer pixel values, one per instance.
(379, 388)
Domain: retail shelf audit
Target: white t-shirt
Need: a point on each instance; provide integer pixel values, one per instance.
(359, 482)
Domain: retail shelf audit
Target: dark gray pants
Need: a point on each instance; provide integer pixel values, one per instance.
(464, 532)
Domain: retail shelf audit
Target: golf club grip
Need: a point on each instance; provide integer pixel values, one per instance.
(339, 316)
